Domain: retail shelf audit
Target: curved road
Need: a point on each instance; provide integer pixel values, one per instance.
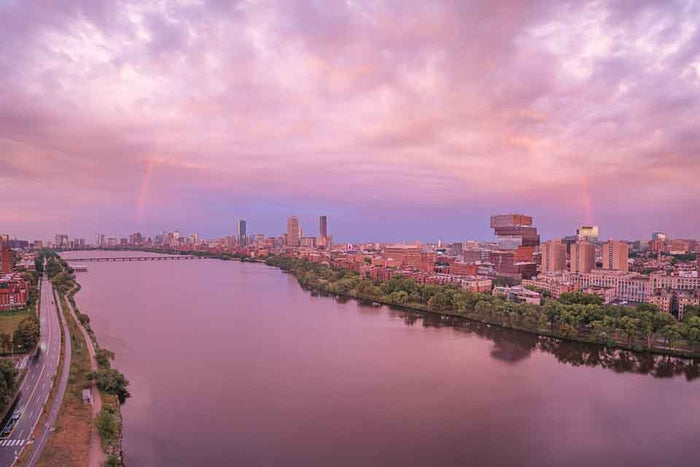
(37, 384)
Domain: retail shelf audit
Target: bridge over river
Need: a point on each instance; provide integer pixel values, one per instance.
(135, 258)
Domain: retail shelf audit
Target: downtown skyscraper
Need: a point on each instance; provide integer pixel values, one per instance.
(241, 234)
(323, 231)
(293, 232)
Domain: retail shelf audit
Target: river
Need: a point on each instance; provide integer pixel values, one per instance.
(235, 364)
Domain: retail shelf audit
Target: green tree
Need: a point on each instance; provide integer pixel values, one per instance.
(111, 381)
(5, 342)
(570, 298)
(108, 424)
(27, 333)
(400, 297)
(439, 302)
(103, 357)
(690, 312)
(8, 378)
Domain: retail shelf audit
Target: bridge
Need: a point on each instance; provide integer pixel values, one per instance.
(135, 258)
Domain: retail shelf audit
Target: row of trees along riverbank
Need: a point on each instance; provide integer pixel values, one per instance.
(575, 316)
(111, 383)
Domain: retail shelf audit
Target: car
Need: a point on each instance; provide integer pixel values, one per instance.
(10, 425)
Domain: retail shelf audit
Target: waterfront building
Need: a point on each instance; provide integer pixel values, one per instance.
(293, 232)
(553, 256)
(616, 255)
(554, 284)
(518, 294)
(629, 287)
(100, 240)
(582, 257)
(136, 239)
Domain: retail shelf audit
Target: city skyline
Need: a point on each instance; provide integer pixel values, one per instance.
(120, 115)
(318, 233)
(299, 232)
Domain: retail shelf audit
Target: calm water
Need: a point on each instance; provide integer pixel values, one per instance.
(235, 364)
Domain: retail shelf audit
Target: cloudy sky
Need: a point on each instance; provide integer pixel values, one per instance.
(399, 119)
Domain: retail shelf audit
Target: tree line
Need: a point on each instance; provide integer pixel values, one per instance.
(575, 316)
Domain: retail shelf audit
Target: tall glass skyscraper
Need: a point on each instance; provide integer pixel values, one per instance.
(241, 232)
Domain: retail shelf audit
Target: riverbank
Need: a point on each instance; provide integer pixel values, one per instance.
(634, 329)
(81, 436)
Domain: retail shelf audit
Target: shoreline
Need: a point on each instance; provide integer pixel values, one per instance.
(419, 308)
(612, 342)
(472, 319)
(104, 445)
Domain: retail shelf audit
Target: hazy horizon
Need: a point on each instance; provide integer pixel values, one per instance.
(399, 120)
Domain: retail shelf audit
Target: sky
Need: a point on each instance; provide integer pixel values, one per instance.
(398, 119)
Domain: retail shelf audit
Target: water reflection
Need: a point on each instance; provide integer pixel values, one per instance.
(512, 346)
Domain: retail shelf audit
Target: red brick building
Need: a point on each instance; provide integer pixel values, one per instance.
(5, 259)
(14, 292)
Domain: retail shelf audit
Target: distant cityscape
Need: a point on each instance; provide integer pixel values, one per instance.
(515, 264)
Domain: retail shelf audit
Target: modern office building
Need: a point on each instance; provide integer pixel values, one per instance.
(615, 255)
(323, 231)
(514, 230)
(516, 234)
(553, 256)
(582, 257)
(293, 232)
(241, 237)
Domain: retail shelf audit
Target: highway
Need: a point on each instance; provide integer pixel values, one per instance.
(37, 384)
